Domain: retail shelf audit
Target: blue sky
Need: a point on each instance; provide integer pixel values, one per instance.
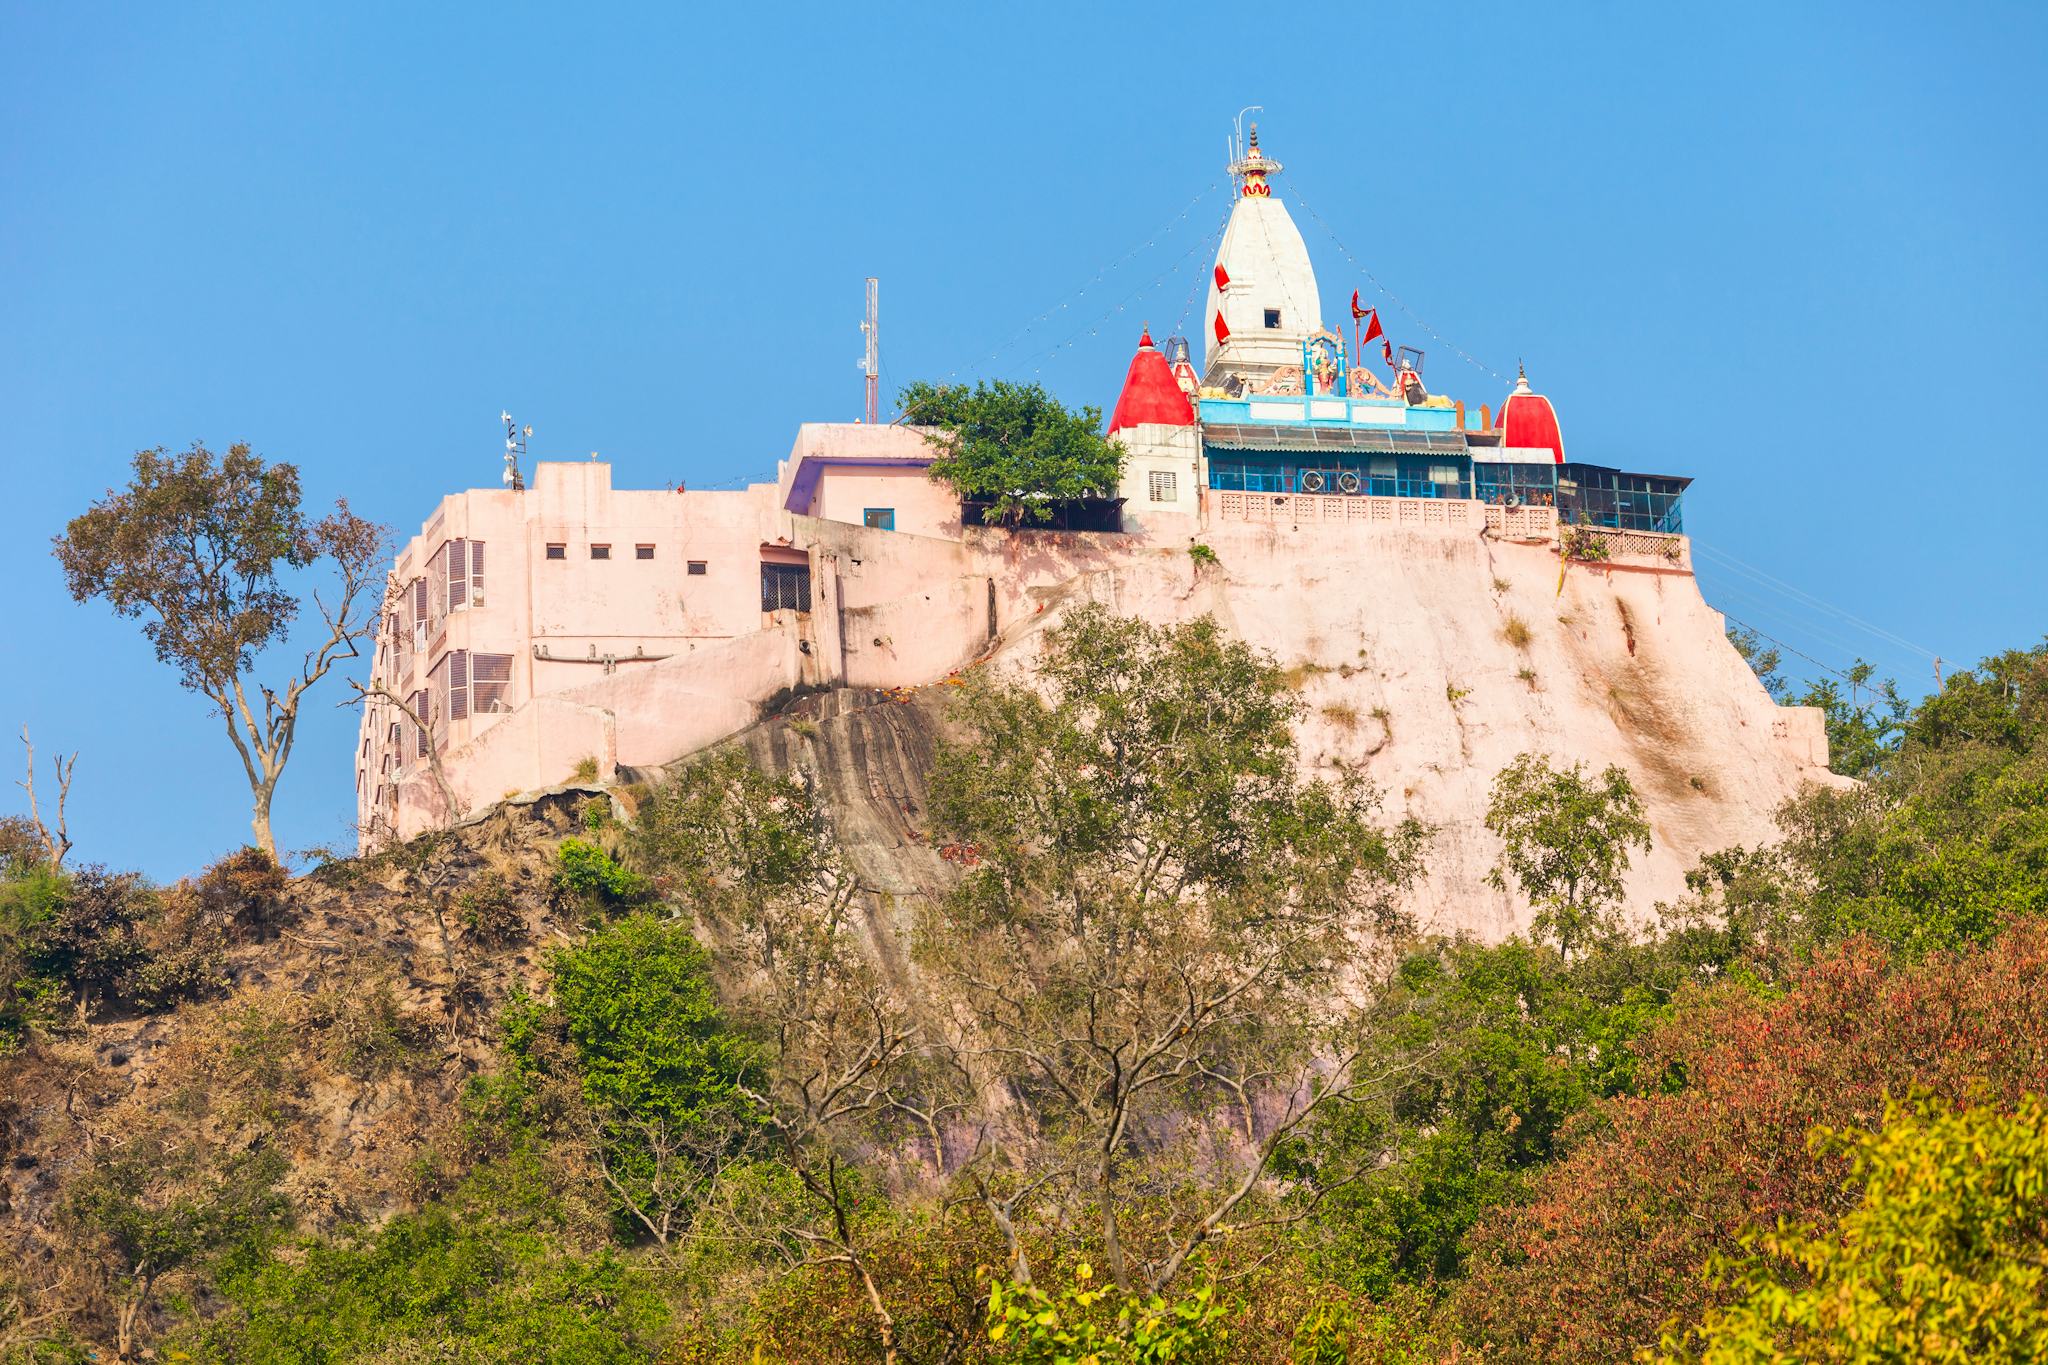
(1793, 250)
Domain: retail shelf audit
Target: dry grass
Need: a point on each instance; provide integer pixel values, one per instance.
(1516, 632)
(1341, 714)
(1297, 676)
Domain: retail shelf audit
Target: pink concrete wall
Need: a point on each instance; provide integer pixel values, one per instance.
(922, 507)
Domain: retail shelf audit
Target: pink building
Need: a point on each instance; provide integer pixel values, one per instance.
(525, 627)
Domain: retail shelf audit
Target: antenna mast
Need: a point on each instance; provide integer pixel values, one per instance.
(515, 448)
(871, 363)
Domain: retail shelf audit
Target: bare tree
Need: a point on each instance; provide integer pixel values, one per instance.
(57, 843)
(194, 546)
(378, 690)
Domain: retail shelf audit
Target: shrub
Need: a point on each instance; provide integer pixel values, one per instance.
(589, 878)
(1343, 715)
(1516, 632)
(1607, 1249)
(367, 1034)
(489, 910)
(243, 892)
(1203, 556)
(585, 770)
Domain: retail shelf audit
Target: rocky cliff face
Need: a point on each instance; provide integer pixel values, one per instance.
(1426, 660)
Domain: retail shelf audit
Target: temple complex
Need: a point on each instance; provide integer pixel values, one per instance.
(564, 629)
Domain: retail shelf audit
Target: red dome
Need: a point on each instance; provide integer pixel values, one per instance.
(1528, 420)
(1150, 392)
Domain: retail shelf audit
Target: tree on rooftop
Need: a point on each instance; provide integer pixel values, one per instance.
(1014, 446)
(194, 547)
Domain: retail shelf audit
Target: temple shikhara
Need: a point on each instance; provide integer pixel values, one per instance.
(1357, 518)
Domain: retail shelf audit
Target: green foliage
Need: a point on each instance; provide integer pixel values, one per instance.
(637, 1003)
(588, 878)
(452, 1282)
(1864, 726)
(721, 832)
(92, 940)
(1014, 447)
(1566, 844)
(663, 1077)
(1763, 659)
(1944, 1258)
(1080, 1325)
(1203, 556)
(1606, 1247)
(1583, 544)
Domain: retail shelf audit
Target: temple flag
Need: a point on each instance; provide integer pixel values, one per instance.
(1222, 328)
(1387, 349)
(1357, 313)
(1373, 328)
(1222, 276)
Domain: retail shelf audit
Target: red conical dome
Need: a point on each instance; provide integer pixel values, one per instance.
(1150, 392)
(1528, 420)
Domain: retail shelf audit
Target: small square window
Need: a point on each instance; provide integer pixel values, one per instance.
(558, 552)
(1165, 485)
(643, 552)
(600, 552)
(879, 518)
(1272, 317)
(696, 566)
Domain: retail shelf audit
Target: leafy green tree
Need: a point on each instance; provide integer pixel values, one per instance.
(1565, 843)
(1014, 447)
(1605, 1247)
(158, 1205)
(1148, 940)
(1944, 1259)
(194, 546)
(1863, 726)
(659, 1069)
(1763, 659)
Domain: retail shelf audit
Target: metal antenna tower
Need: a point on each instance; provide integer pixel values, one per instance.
(515, 449)
(871, 363)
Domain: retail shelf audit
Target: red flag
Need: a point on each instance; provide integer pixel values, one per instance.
(1373, 329)
(1357, 313)
(1222, 276)
(1387, 349)
(1222, 328)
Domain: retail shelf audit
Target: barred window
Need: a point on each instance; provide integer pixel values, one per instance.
(1165, 485)
(785, 587)
(643, 552)
(490, 677)
(558, 552)
(424, 735)
(697, 566)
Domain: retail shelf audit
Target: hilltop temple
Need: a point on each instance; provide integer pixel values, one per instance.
(566, 627)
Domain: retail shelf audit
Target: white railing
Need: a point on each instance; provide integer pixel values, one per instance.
(1522, 523)
(1293, 509)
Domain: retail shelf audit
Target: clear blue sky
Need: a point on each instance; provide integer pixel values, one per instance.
(1793, 250)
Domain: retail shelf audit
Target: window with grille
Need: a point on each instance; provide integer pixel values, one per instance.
(490, 678)
(600, 552)
(643, 552)
(558, 552)
(457, 678)
(785, 587)
(1165, 485)
(697, 566)
(423, 735)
